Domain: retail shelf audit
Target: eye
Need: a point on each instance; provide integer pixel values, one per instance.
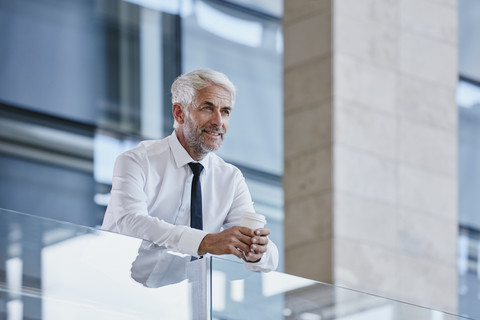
(226, 112)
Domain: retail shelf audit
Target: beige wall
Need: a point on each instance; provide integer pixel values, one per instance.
(370, 146)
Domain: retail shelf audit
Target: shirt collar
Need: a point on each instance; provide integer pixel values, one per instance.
(181, 155)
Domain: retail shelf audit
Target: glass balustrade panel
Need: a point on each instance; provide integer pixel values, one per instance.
(237, 293)
(57, 270)
(54, 270)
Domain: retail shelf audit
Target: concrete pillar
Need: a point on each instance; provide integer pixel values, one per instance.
(370, 171)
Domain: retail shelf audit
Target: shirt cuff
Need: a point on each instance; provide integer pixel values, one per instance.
(268, 262)
(190, 241)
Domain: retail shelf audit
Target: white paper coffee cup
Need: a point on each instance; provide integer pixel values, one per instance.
(253, 220)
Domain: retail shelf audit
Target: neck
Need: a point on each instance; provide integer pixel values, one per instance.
(196, 155)
(195, 151)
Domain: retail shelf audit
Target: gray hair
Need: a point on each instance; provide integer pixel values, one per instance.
(185, 87)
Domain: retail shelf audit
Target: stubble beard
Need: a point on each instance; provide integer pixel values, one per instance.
(196, 140)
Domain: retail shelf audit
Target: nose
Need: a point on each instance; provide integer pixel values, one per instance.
(217, 118)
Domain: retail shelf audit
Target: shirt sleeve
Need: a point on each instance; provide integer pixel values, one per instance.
(127, 211)
(242, 202)
(269, 261)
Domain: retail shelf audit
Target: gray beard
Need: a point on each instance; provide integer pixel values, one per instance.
(199, 147)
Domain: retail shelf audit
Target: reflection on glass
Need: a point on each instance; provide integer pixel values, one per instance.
(239, 294)
(54, 270)
(156, 266)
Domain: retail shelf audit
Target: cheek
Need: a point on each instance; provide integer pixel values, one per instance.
(197, 121)
(226, 121)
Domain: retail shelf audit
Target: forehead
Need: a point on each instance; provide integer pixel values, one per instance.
(214, 94)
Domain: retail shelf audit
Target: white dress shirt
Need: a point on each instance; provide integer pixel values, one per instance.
(150, 198)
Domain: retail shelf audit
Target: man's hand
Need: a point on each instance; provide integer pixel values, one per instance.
(259, 244)
(237, 241)
(229, 241)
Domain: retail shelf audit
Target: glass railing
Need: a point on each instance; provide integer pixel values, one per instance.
(56, 270)
(240, 294)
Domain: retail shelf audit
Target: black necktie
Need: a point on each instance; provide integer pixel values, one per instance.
(196, 200)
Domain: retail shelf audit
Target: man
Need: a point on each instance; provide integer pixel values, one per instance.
(152, 183)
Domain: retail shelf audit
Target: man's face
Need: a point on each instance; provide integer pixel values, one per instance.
(206, 121)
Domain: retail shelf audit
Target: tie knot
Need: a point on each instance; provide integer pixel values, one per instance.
(196, 168)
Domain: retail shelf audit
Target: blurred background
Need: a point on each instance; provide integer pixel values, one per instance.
(83, 80)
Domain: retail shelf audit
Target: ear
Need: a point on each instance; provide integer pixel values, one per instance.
(178, 113)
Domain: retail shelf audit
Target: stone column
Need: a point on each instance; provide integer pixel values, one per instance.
(370, 146)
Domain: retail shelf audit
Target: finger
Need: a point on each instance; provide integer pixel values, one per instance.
(260, 240)
(253, 257)
(244, 234)
(243, 247)
(235, 233)
(244, 230)
(238, 252)
(241, 241)
(258, 248)
(261, 232)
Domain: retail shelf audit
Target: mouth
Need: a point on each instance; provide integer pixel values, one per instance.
(214, 133)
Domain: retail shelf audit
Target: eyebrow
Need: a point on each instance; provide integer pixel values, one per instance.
(213, 105)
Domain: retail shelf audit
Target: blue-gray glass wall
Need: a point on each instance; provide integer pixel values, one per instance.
(83, 80)
(468, 100)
